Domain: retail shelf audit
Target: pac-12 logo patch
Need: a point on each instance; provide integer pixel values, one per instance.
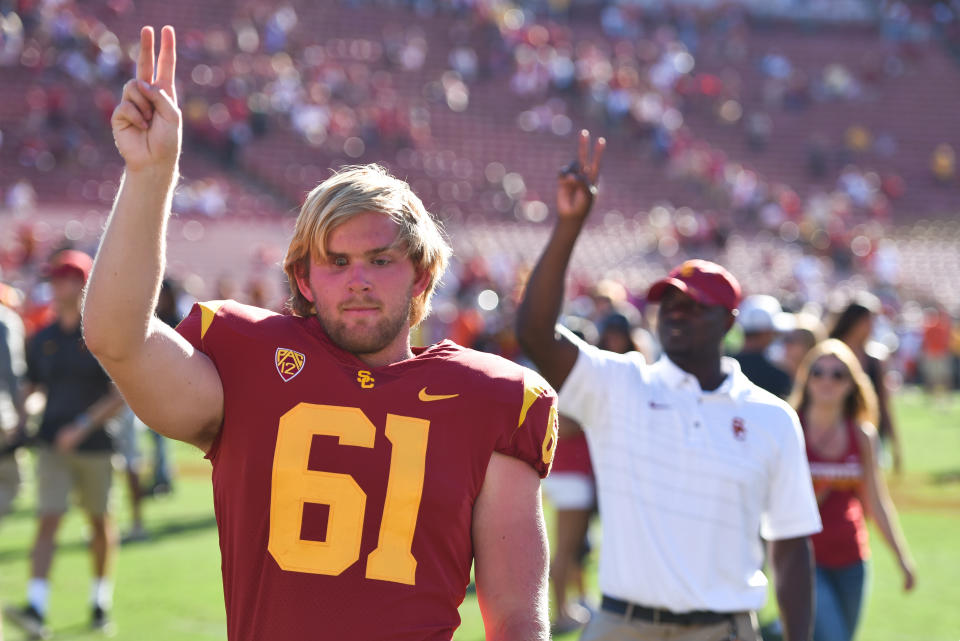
(289, 363)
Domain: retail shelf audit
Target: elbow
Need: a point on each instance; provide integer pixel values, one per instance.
(102, 338)
(95, 336)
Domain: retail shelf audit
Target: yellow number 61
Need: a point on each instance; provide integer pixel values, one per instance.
(294, 485)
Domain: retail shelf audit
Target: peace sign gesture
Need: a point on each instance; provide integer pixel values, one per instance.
(577, 184)
(147, 124)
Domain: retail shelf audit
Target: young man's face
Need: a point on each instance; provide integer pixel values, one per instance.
(362, 291)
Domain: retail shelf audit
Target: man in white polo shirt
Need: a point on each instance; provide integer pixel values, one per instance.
(694, 463)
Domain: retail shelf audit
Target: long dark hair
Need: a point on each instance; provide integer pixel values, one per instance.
(855, 312)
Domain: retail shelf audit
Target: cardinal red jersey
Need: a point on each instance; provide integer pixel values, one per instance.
(344, 494)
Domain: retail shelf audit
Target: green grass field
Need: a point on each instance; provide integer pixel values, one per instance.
(169, 587)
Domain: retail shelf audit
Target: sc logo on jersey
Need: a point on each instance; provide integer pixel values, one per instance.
(289, 363)
(365, 379)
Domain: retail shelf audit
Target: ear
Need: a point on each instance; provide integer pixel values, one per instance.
(420, 285)
(303, 283)
(729, 321)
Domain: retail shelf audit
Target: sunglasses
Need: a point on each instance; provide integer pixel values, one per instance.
(834, 373)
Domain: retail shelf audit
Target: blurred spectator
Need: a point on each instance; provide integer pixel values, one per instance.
(837, 408)
(807, 331)
(12, 369)
(126, 433)
(854, 326)
(943, 163)
(74, 450)
(570, 489)
(21, 197)
(935, 355)
(763, 320)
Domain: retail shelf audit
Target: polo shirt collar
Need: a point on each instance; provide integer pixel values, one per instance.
(734, 385)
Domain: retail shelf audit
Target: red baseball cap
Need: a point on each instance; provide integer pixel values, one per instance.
(70, 262)
(704, 281)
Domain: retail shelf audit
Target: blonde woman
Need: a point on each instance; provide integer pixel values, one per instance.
(838, 408)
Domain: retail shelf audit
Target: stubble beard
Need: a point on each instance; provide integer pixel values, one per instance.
(366, 338)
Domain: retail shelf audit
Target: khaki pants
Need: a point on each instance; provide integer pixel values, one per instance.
(89, 473)
(607, 626)
(9, 482)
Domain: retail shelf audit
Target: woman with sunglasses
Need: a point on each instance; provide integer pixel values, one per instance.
(837, 408)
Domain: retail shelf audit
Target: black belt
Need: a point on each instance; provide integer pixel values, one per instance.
(656, 615)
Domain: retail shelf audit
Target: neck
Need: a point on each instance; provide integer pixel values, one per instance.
(823, 416)
(68, 318)
(397, 351)
(707, 371)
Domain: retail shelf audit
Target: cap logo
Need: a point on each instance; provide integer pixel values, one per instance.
(687, 269)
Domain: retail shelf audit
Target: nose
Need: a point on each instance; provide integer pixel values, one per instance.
(357, 280)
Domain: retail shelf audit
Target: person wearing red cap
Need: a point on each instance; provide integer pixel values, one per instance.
(73, 451)
(694, 463)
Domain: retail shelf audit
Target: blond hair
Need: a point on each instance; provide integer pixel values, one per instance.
(860, 405)
(356, 190)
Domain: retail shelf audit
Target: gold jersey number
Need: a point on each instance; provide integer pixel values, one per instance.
(294, 485)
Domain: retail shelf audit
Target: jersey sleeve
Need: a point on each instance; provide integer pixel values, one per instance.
(533, 436)
(791, 508)
(196, 328)
(198, 322)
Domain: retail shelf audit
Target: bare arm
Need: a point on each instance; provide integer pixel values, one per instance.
(879, 504)
(554, 355)
(511, 555)
(173, 388)
(792, 563)
(105, 408)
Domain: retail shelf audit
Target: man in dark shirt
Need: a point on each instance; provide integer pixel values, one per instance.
(762, 320)
(73, 450)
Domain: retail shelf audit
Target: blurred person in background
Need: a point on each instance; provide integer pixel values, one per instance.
(670, 443)
(837, 408)
(854, 326)
(808, 330)
(570, 489)
(73, 451)
(168, 311)
(126, 434)
(763, 320)
(935, 358)
(12, 369)
(943, 164)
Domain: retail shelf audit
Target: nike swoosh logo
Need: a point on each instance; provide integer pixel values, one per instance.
(426, 398)
(658, 406)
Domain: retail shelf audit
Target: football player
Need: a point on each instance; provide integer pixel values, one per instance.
(355, 478)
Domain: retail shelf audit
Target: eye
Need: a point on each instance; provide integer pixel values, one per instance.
(382, 261)
(338, 261)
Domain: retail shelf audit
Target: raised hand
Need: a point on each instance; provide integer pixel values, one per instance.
(147, 125)
(577, 183)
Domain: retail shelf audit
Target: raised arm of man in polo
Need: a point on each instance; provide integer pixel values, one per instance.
(554, 353)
